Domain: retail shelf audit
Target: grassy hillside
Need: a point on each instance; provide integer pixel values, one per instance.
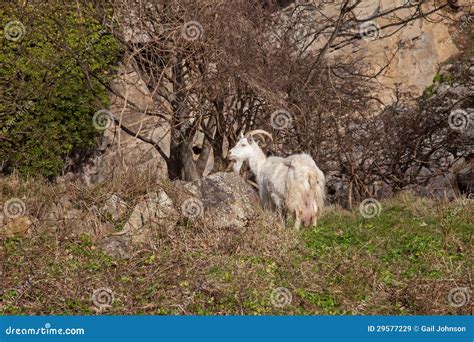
(406, 260)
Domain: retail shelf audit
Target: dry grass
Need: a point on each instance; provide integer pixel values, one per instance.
(404, 261)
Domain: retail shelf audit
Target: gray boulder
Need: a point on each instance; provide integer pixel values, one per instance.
(223, 200)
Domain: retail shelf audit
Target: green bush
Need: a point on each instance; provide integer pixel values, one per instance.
(56, 60)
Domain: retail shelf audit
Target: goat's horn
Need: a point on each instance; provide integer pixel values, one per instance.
(258, 131)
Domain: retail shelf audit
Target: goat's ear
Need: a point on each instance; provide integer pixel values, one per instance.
(241, 135)
(250, 140)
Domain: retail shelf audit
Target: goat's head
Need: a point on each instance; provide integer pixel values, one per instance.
(243, 150)
(246, 146)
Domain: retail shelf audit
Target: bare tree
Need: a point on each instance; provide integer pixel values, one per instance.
(216, 69)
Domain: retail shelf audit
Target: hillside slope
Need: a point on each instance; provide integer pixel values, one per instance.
(414, 257)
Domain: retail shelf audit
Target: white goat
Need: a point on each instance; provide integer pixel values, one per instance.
(305, 189)
(294, 183)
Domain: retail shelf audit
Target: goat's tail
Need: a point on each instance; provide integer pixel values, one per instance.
(317, 184)
(305, 191)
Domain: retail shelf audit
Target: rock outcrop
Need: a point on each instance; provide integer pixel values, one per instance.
(17, 226)
(448, 172)
(413, 54)
(220, 201)
(121, 152)
(154, 209)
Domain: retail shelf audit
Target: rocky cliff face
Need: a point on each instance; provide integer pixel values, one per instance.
(419, 48)
(415, 53)
(120, 152)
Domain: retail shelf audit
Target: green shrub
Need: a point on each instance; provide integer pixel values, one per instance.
(52, 82)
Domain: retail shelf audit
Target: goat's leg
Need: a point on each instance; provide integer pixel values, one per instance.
(279, 214)
(276, 201)
(297, 222)
(284, 214)
(314, 219)
(278, 207)
(297, 214)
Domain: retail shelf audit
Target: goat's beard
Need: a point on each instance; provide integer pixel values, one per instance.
(237, 166)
